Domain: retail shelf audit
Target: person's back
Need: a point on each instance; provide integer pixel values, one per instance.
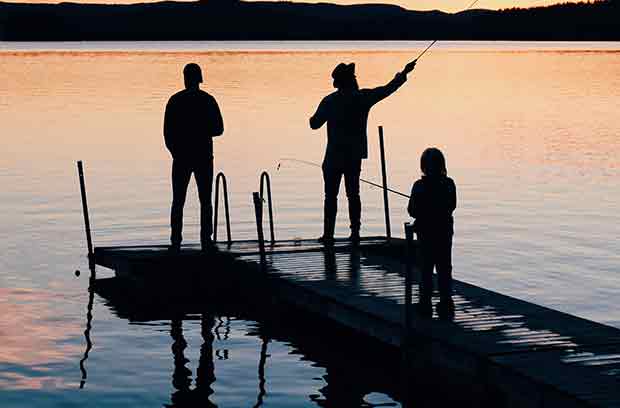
(433, 200)
(192, 119)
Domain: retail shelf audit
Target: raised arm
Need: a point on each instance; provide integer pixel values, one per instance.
(376, 95)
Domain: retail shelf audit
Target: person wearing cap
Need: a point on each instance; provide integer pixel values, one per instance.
(346, 113)
(191, 121)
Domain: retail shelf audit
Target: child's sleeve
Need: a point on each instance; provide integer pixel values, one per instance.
(452, 196)
(411, 209)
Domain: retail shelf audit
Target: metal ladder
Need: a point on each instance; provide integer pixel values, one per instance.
(222, 177)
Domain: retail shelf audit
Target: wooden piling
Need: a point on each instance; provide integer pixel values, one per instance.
(386, 205)
(89, 240)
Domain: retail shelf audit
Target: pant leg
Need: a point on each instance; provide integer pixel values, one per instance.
(352, 185)
(331, 178)
(204, 181)
(181, 174)
(443, 258)
(426, 263)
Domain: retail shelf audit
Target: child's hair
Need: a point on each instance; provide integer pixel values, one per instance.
(432, 162)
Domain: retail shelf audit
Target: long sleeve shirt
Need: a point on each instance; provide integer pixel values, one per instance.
(191, 120)
(346, 113)
(432, 202)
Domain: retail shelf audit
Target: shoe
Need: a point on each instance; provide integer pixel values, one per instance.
(208, 246)
(445, 310)
(355, 238)
(327, 241)
(423, 309)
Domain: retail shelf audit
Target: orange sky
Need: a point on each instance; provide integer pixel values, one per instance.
(446, 5)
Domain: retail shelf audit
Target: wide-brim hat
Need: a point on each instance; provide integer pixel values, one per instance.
(343, 71)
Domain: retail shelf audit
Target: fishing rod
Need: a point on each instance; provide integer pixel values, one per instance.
(433, 43)
(313, 164)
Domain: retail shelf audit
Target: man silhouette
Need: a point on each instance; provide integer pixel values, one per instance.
(191, 120)
(346, 113)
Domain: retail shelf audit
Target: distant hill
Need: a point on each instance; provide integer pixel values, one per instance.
(239, 20)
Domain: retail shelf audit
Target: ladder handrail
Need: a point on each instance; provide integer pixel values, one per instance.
(221, 176)
(264, 177)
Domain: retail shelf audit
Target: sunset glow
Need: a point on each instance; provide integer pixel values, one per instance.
(445, 5)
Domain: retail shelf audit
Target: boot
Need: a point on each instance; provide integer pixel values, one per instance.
(329, 225)
(355, 237)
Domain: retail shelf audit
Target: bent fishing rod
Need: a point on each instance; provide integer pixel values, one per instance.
(309, 163)
(433, 43)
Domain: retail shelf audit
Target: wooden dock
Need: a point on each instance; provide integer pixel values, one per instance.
(523, 354)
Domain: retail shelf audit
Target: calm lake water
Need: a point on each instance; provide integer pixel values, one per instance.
(531, 133)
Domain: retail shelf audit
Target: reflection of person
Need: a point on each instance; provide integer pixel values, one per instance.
(184, 396)
(433, 200)
(346, 113)
(191, 120)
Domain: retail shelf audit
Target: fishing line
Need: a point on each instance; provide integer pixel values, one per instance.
(433, 43)
(309, 163)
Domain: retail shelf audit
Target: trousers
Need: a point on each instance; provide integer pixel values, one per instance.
(181, 173)
(332, 175)
(435, 253)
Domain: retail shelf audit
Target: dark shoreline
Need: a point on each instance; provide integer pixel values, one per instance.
(226, 20)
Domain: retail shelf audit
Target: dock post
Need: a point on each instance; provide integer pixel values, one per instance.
(386, 205)
(406, 346)
(89, 240)
(258, 209)
(408, 277)
(264, 178)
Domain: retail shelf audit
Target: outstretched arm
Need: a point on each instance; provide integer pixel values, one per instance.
(378, 94)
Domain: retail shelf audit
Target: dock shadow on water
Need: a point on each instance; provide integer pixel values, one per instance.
(354, 371)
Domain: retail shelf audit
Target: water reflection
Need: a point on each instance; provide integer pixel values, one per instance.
(262, 381)
(351, 369)
(354, 269)
(331, 267)
(89, 319)
(185, 396)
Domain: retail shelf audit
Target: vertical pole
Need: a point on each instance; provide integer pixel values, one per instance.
(406, 347)
(258, 209)
(264, 178)
(408, 276)
(89, 241)
(386, 205)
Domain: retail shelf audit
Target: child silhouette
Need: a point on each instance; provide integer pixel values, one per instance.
(433, 200)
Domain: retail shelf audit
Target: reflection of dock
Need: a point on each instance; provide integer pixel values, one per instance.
(518, 353)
